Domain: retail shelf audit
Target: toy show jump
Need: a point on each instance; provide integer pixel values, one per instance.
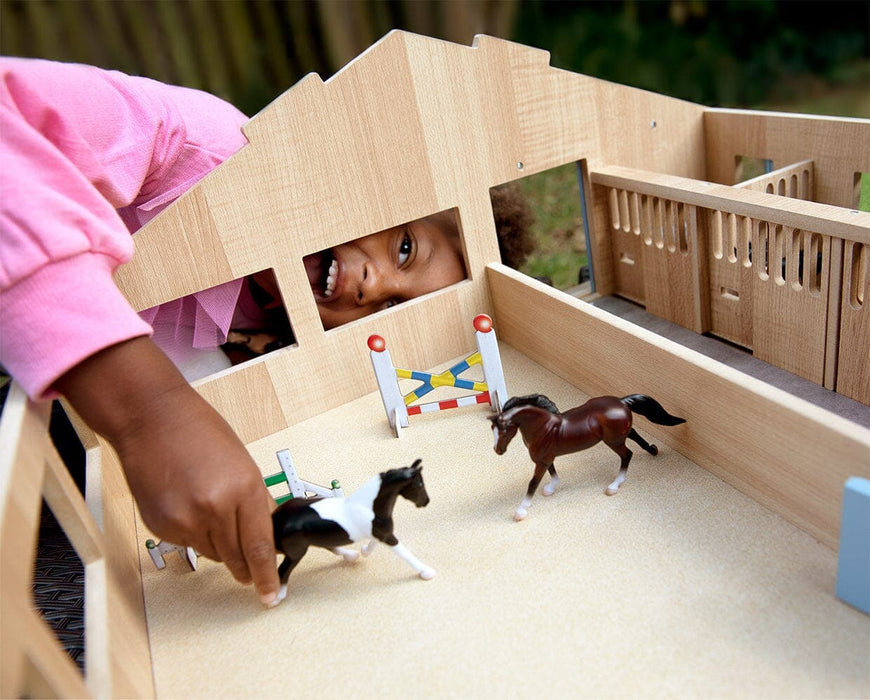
(399, 406)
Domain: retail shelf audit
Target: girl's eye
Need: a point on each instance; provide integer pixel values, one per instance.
(405, 249)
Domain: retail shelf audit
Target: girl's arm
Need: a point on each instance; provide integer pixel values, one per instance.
(194, 481)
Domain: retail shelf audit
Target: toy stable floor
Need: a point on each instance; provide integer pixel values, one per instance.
(677, 586)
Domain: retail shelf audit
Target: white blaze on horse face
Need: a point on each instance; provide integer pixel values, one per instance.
(495, 437)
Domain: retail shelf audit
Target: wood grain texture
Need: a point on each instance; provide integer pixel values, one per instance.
(794, 180)
(853, 355)
(789, 314)
(838, 147)
(119, 606)
(411, 127)
(831, 220)
(676, 549)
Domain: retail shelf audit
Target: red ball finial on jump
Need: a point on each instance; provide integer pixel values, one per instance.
(483, 323)
(376, 343)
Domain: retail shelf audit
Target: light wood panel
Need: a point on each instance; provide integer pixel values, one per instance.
(822, 218)
(794, 180)
(729, 266)
(790, 311)
(411, 127)
(853, 352)
(838, 147)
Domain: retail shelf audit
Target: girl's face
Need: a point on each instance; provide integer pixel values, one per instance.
(356, 279)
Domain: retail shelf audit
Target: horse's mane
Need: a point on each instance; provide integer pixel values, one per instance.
(538, 400)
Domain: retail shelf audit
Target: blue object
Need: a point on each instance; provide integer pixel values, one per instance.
(853, 570)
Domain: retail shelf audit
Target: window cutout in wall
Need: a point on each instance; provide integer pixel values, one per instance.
(862, 192)
(378, 271)
(540, 221)
(260, 323)
(747, 167)
(190, 329)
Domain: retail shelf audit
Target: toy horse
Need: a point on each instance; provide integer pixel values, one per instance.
(548, 433)
(333, 523)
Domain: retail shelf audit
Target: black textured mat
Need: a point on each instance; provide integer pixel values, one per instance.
(59, 574)
(59, 586)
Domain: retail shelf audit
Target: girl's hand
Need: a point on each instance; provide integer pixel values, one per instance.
(194, 481)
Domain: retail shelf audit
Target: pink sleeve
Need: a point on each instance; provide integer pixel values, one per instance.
(87, 156)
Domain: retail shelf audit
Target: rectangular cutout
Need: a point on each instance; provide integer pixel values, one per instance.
(545, 225)
(250, 309)
(748, 167)
(861, 199)
(383, 269)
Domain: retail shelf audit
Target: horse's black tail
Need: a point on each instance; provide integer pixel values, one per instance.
(649, 408)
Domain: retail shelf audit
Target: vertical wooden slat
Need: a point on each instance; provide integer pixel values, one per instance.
(730, 276)
(697, 260)
(118, 51)
(789, 320)
(626, 247)
(266, 17)
(674, 273)
(853, 358)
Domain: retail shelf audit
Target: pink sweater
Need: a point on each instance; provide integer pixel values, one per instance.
(87, 157)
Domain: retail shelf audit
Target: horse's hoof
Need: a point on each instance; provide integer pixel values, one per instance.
(351, 557)
(610, 491)
(653, 450)
(520, 515)
(548, 491)
(427, 574)
(282, 593)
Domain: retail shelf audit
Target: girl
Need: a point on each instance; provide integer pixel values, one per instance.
(89, 156)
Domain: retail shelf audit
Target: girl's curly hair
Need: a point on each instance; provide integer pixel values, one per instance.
(513, 223)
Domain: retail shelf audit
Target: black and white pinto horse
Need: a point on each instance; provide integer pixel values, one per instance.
(333, 523)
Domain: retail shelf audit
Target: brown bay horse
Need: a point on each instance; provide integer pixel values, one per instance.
(548, 433)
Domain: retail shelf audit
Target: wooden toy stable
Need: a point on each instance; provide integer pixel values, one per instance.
(414, 126)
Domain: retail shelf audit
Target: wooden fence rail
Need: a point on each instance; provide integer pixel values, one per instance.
(783, 277)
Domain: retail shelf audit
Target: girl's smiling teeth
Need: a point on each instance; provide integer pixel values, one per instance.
(323, 273)
(331, 278)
